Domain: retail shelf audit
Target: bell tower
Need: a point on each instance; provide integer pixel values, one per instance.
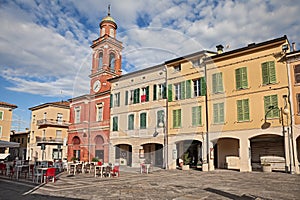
(107, 56)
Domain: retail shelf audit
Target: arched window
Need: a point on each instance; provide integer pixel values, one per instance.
(76, 140)
(100, 60)
(112, 61)
(111, 32)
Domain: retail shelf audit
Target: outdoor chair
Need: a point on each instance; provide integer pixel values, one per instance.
(3, 168)
(79, 168)
(37, 176)
(87, 168)
(107, 171)
(50, 175)
(11, 171)
(115, 171)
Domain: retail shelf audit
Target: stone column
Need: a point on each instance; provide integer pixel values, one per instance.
(112, 153)
(172, 156)
(135, 155)
(245, 155)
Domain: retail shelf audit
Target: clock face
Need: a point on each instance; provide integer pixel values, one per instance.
(96, 86)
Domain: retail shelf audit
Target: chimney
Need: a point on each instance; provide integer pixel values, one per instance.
(294, 46)
(220, 48)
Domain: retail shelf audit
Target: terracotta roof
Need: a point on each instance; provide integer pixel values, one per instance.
(9, 105)
(62, 104)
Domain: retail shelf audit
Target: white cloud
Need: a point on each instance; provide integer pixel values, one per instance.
(44, 47)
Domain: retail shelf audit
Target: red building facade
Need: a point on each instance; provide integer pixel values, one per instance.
(88, 136)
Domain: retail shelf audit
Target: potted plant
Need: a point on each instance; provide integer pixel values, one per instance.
(95, 160)
(74, 159)
(186, 161)
(266, 166)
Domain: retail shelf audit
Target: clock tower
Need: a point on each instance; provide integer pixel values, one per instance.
(89, 130)
(106, 61)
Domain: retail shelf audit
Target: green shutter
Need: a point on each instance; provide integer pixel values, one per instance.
(240, 110)
(170, 98)
(147, 93)
(130, 122)
(179, 118)
(220, 82)
(265, 73)
(115, 123)
(1, 115)
(126, 97)
(267, 104)
(164, 93)
(246, 110)
(154, 92)
(182, 90)
(111, 100)
(214, 83)
(194, 119)
(274, 102)
(136, 96)
(272, 72)
(118, 98)
(244, 77)
(202, 86)
(238, 79)
(188, 89)
(221, 110)
(143, 123)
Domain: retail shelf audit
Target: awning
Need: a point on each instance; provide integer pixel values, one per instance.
(3, 155)
(8, 144)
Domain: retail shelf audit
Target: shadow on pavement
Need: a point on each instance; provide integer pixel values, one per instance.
(233, 196)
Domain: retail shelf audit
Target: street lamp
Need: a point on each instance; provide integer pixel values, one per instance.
(283, 111)
(162, 124)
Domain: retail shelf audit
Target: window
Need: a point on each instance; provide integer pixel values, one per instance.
(103, 31)
(111, 32)
(58, 134)
(218, 111)
(145, 94)
(112, 61)
(241, 79)
(45, 115)
(44, 134)
(268, 72)
(177, 68)
(1, 115)
(197, 62)
(100, 61)
(298, 104)
(99, 112)
(160, 118)
(59, 118)
(179, 90)
(116, 100)
(243, 113)
(196, 116)
(170, 97)
(159, 91)
(129, 97)
(33, 119)
(177, 118)
(271, 101)
(297, 73)
(136, 96)
(131, 122)
(217, 82)
(199, 87)
(0, 131)
(77, 114)
(143, 120)
(115, 123)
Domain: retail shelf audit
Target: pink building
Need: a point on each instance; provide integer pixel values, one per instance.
(90, 114)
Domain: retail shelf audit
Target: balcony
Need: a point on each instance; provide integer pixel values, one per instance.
(48, 140)
(52, 122)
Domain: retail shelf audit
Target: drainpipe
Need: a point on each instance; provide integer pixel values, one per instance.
(206, 116)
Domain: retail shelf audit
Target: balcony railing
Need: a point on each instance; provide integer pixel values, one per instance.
(52, 122)
(50, 140)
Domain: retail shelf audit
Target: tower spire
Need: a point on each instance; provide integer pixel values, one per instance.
(108, 14)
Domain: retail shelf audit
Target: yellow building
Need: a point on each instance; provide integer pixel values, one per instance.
(248, 108)
(293, 65)
(21, 138)
(49, 126)
(186, 109)
(6, 111)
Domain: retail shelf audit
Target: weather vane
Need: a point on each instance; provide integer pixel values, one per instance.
(108, 10)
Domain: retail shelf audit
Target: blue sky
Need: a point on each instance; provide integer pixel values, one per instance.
(45, 53)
